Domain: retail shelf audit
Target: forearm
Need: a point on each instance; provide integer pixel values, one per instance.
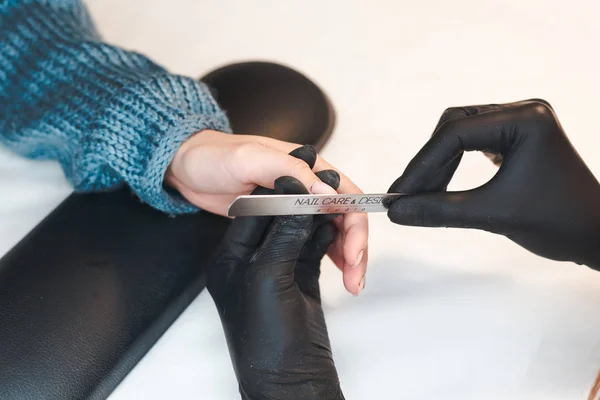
(110, 117)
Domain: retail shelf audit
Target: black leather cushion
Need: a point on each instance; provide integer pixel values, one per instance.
(89, 291)
(273, 100)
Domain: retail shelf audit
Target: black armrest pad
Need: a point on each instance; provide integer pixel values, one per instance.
(89, 291)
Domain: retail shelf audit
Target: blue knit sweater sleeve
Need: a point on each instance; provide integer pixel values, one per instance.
(110, 117)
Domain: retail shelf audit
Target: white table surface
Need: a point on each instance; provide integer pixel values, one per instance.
(446, 314)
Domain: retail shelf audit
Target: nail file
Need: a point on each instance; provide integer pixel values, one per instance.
(272, 205)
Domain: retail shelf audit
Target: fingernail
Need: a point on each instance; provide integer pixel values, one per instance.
(321, 188)
(358, 259)
(361, 285)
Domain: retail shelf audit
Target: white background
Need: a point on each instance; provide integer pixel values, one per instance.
(446, 313)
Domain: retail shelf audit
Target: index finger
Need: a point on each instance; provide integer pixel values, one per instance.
(483, 132)
(486, 128)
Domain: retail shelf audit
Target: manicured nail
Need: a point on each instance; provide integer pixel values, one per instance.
(321, 188)
(358, 259)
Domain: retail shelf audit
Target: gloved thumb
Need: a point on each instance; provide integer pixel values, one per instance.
(287, 234)
(441, 209)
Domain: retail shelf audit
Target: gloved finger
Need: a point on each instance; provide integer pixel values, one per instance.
(450, 114)
(467, 111)
(306, 153)
(445, 209)
(488, 132)
(331, 178)
(286, 236)
(245, 234)
(336, 252)
(484, 108)
(282, 245)
(440, 182)
(322, 238)
(308, 269)
(291, 185)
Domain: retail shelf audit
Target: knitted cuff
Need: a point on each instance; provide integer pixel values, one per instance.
(152, 189)
(141, 129)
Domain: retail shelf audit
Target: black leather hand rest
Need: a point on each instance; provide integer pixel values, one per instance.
(89, 291)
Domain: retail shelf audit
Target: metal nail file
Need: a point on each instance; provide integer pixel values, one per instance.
(272, 205)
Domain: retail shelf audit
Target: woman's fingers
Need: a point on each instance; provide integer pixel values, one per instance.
(260, 165)
(252, 165)
(350, 253)
(355, 230)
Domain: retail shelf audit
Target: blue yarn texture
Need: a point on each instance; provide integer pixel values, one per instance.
(110, 117)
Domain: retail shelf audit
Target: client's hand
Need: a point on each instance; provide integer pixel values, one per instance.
(212, 168)
(265, 286)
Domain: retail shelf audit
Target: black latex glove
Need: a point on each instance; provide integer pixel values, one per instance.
(265, 286)
(543, 197)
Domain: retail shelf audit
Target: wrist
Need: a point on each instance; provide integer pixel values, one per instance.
(175, 173)
(306, 380)
(304, 391)
(173, 108)
(171, 179)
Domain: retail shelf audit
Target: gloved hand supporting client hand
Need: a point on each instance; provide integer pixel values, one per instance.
(265, 285)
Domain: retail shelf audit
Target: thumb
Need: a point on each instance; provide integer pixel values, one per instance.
(442, 209)
(284, 242)
(287, 235)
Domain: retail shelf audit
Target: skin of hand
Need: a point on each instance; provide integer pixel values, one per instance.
(212, 168)
(543, 196)
(264, 282)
